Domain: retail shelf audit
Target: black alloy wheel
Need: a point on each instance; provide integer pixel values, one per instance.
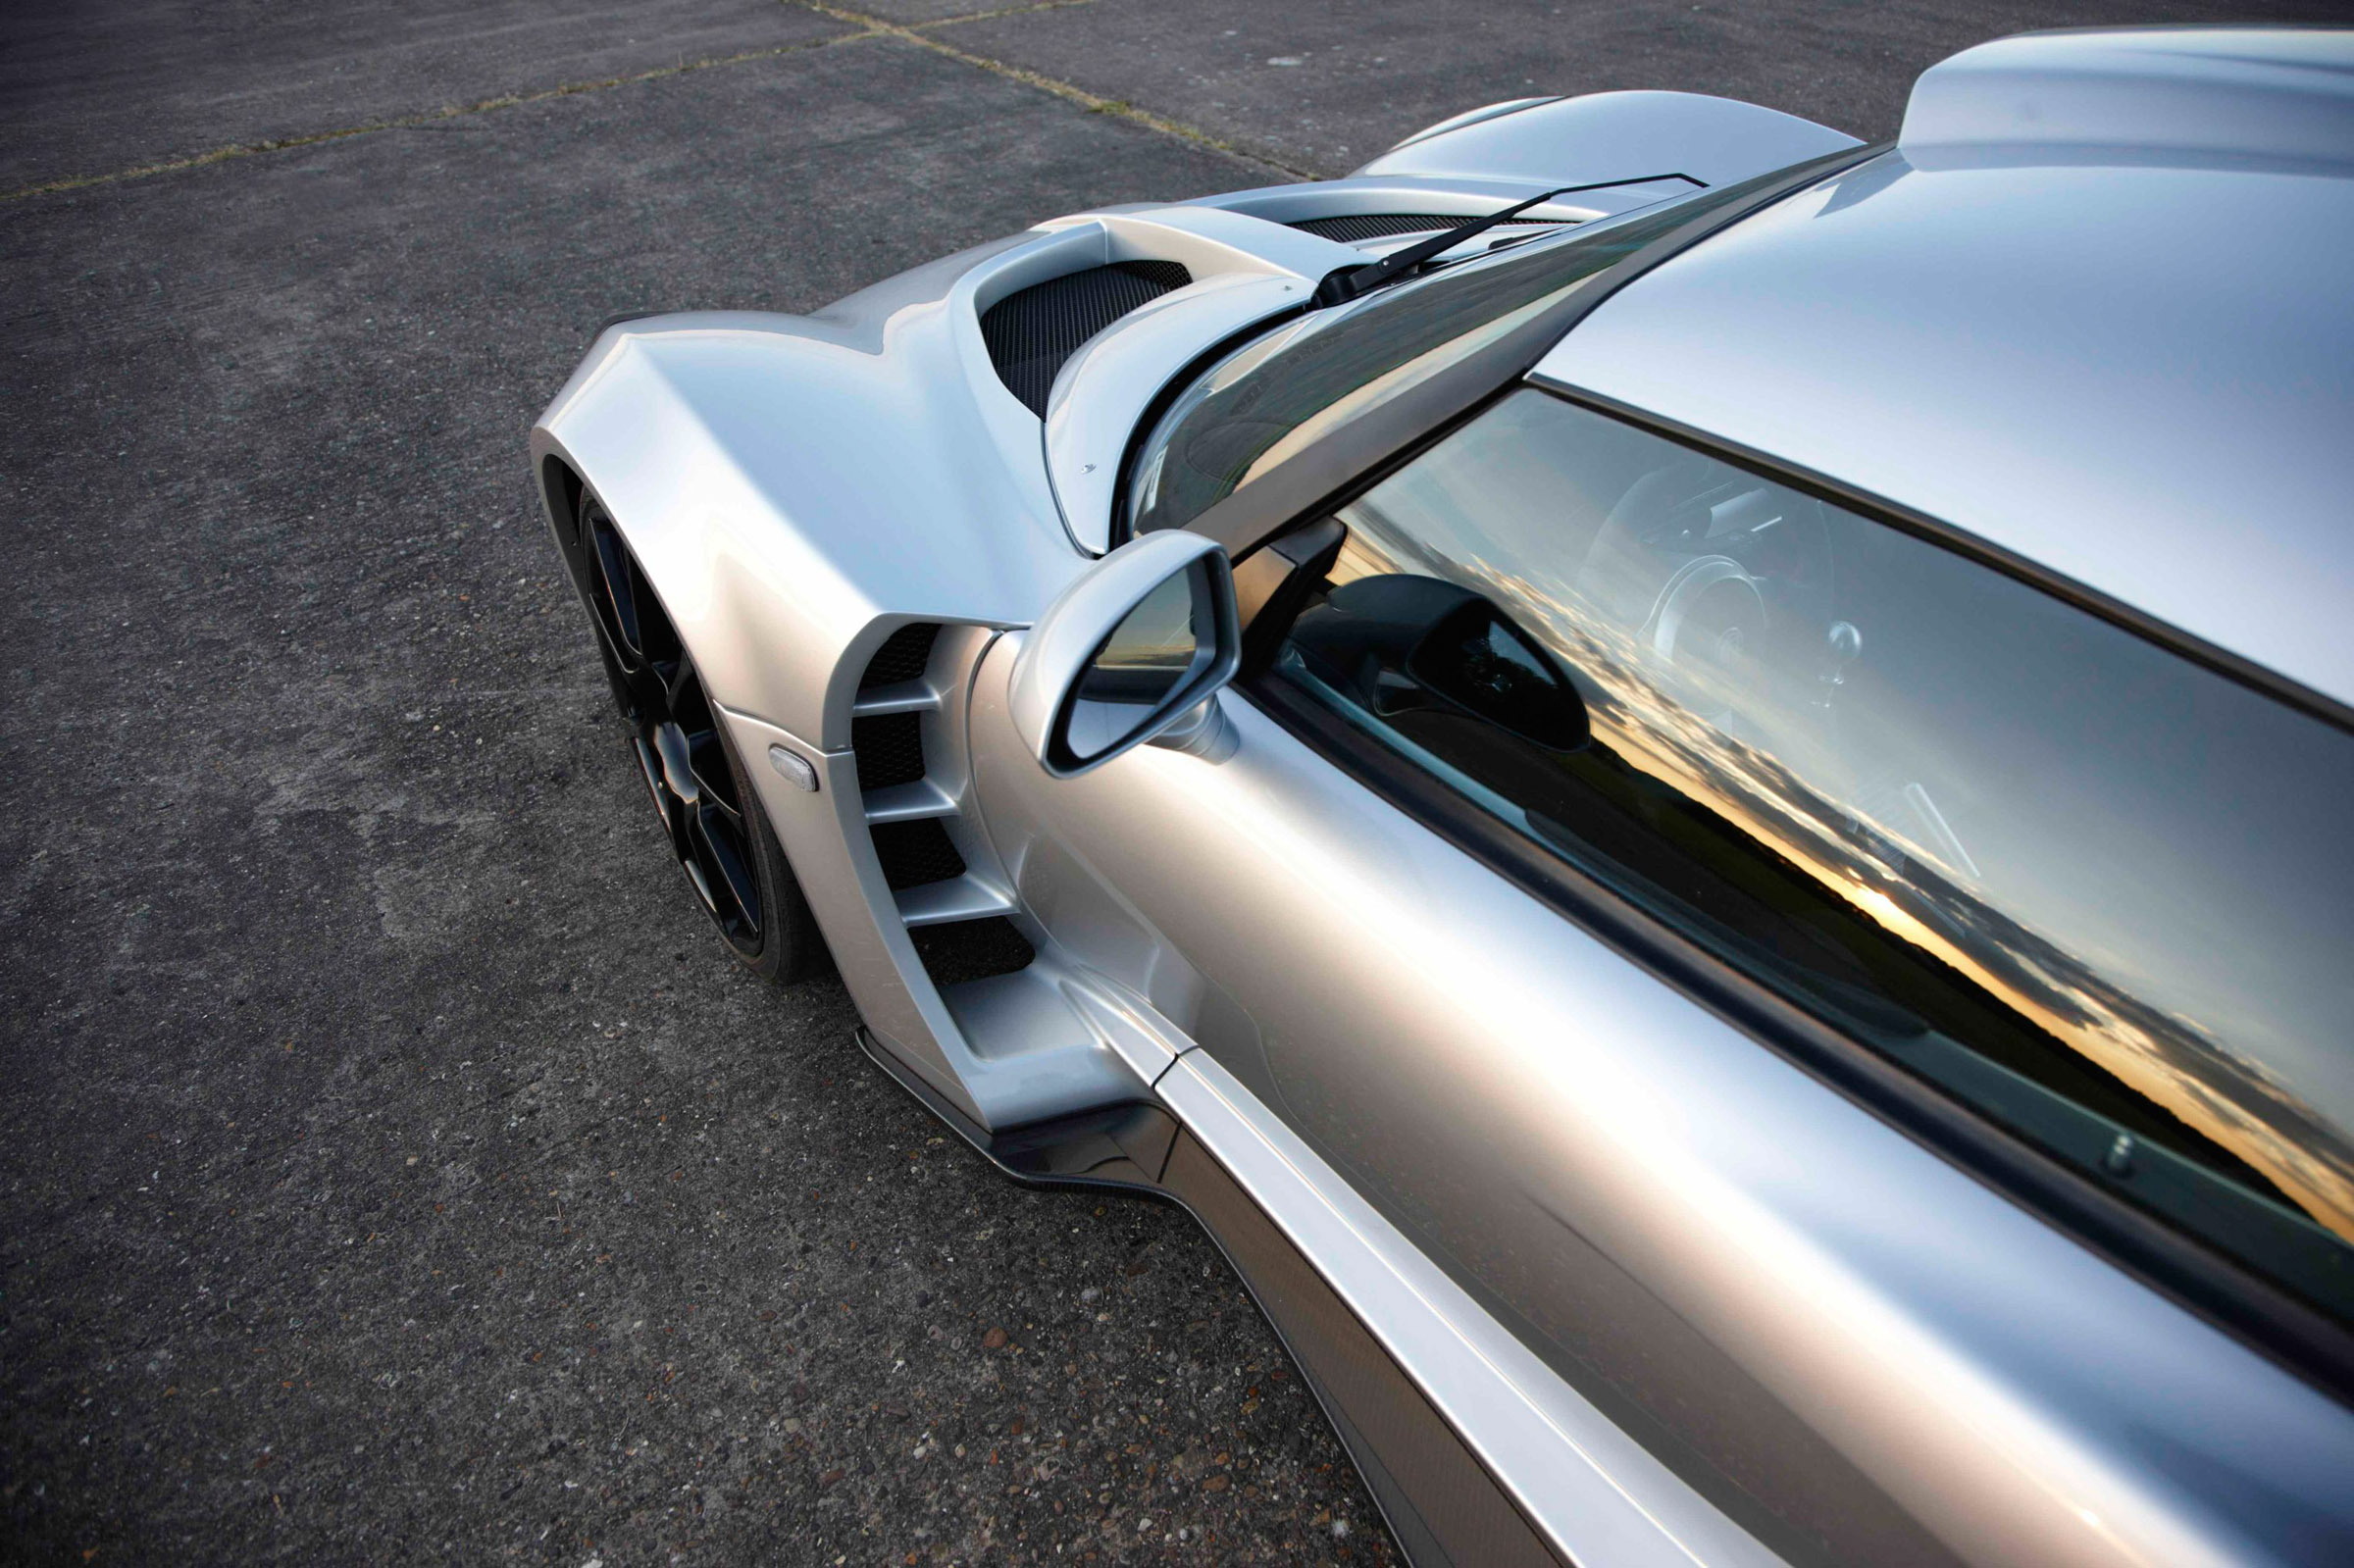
(713, 819)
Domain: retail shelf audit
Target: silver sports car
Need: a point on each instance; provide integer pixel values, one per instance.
(1690, 781)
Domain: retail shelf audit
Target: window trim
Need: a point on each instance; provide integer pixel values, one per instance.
(2302, 1339)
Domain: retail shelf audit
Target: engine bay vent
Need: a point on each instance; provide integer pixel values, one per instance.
(1031, 331)
(1356, 226)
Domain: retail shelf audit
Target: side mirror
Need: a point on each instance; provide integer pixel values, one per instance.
(1126, 651)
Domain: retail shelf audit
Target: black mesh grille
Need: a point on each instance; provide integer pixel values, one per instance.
(1031, 333)
(890, 749)
(914, 853)
(971, 949)
(1380, 225)
(903, 656)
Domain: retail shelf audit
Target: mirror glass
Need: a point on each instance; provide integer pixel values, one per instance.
(1141, 664)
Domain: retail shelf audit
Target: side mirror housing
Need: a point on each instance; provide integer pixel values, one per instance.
(1142, 638)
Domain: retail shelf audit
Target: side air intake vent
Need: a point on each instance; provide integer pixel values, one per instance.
(913, 788)
(1030, 334)
(890, 749)
(915, 853)
(901, 657)
(1357, 226)
(971, 949)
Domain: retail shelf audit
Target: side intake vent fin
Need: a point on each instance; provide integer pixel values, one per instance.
(1030, 334)
(1381, 226)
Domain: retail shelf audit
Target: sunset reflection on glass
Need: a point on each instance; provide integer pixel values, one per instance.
(2090, 888)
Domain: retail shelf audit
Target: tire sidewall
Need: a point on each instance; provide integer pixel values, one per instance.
(790, 947)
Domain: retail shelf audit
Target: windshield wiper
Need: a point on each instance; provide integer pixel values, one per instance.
(1346, 283)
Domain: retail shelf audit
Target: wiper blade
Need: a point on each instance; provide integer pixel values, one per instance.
(1346, 283)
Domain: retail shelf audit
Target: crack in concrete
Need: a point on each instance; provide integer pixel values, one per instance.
(991, 16)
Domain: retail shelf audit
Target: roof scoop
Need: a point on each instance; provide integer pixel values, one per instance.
(2275, 97)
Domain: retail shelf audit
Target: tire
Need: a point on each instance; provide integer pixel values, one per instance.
(793, 948)
(710, 811)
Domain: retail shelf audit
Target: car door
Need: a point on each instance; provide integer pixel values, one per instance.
(1615, 874)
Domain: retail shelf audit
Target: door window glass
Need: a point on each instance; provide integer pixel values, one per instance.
(2095, 891)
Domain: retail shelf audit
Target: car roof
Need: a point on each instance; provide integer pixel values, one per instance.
(2123, 351)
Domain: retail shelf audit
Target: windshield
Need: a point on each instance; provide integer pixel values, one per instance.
(1273, 396)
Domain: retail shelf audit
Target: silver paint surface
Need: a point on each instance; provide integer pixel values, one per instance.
(1932, 1367)
(2265, 96)
(1105, 387)
(1617, 135)
(2141, 378)
(785, 564)
(1593, 1491)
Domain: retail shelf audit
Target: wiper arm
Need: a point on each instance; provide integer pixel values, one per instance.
(1346, 283)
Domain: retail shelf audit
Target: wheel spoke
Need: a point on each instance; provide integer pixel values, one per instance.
(709, 760)
(702, 888)
(679, 750)
(651, 767)
(617, 575)
(727, 856)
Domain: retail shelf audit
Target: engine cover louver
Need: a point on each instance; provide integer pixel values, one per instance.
(1381, 226)
(1030, 334)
